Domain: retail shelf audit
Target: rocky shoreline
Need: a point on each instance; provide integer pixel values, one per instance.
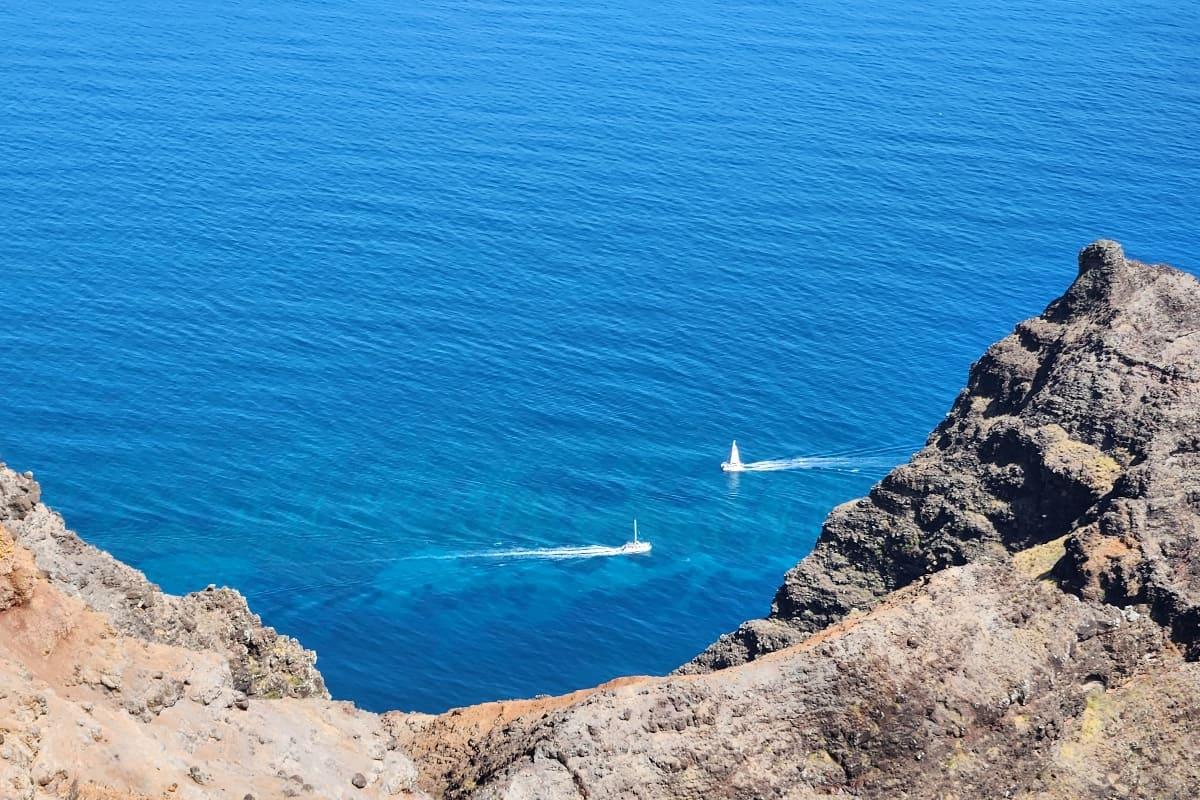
(1081, 418)
(1013, 613)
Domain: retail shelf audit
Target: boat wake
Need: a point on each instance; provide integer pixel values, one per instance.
(846, 461)
(634, 547)
(551, 553)
(544, 553)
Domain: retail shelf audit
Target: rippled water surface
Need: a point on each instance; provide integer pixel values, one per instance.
(360, 306)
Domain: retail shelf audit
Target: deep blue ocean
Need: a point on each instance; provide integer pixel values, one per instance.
(323, 300)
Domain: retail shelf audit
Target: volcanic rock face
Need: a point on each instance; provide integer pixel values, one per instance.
(1084, 421)
(263, 662)
(110, 689)
(1013, 613)
(979, 681)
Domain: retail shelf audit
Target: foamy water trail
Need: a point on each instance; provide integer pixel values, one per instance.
(583, 551)
(847, 461)
(548, 553)
(817, 462)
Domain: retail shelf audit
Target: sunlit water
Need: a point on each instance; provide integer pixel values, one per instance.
(312, 299)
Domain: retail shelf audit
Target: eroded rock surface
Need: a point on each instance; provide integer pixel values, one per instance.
(263, 662)
(979, 681)
(91, 711)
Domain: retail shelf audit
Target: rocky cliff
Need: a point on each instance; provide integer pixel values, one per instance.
(112, 690)
(1084, 422)
(262, 662)
(1013, 613)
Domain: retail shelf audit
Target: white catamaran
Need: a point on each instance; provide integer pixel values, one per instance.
(734, 464)
(636, 546)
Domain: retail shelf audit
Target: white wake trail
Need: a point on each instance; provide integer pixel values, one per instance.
(840, 463)
(550, 553)
(583, 551)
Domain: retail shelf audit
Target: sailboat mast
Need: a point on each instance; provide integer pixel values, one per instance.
(635, 529)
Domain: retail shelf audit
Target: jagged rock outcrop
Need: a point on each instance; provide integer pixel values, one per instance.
(1084, 421)
(263, 662)
(98, 703)
(17, 573)
(977, 682)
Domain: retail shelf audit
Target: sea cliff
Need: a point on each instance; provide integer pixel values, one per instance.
(1015, 612)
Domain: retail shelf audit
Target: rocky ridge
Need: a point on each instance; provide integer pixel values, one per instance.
(1084, 422)
(111, 690)
(262, 662)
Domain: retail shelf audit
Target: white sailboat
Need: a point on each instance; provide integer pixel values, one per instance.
(635, 547)
(734, 464)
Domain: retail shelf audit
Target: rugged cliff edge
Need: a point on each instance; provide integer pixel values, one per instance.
(262, 662)
(1013, 613)
(1084, 422)
(112, 690)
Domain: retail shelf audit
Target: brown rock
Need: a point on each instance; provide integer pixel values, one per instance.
(89, 711)
(263, 662)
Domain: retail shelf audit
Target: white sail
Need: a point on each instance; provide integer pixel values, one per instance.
(734, 464)
(636, 546)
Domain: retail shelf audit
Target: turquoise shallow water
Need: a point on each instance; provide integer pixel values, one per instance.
(313, 298)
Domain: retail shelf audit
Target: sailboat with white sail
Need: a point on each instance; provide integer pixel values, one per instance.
(734, 464)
